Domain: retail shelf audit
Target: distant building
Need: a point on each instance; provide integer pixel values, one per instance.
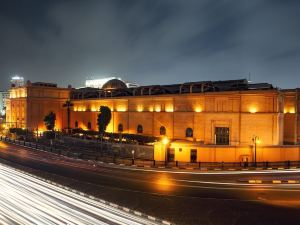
(205, 121)
(17, 81)
(98, 83)
(4, 95)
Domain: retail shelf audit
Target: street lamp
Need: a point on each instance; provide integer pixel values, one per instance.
(165, 142)
(132, 152)
(256, 141)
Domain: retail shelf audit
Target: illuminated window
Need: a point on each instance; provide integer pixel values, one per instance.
(76, 124)
(222, 135)
(120, 127)
(139, 129)
(162, 130)
(89, 125)
(189, 132)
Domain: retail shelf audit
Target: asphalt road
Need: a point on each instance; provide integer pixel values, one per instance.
(183, 197)
(27, 200)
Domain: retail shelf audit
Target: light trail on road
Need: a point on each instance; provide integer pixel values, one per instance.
(28, 200)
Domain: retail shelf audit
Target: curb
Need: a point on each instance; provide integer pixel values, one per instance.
(272, 181)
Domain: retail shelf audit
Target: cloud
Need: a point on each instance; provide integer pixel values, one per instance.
(150, 42)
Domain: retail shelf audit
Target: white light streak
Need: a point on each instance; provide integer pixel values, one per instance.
(28, 200)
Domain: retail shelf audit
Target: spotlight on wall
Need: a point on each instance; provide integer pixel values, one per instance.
(198, 109)
(252, 110)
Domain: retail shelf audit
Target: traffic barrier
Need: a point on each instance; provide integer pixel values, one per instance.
(151, 218)
(276, 181)
(113, 205)
(137, 213)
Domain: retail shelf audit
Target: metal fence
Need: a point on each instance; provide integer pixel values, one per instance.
(112, 153)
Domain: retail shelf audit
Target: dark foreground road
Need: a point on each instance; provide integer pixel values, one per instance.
(177, 196)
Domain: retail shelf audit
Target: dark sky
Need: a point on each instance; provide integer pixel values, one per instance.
(150, 41)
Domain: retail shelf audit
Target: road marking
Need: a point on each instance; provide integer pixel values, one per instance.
(241, 186)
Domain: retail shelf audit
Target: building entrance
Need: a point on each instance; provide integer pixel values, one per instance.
(193, 155)
(171, 155)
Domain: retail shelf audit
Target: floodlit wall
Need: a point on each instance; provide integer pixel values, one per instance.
(272, 115)
(214, 153)
(246, 114)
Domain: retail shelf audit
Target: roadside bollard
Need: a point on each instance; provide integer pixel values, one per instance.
(176, 163)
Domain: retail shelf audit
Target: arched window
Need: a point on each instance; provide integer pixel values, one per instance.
(120, 127)
(89, 125)
(139, 129)
(162, 130)
(189, 132)
(76, 124)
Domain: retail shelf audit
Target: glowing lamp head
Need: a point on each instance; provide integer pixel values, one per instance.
(165, 141)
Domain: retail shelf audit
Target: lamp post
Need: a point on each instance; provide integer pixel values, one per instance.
(132, 152)
(165, 142)
(255, 140)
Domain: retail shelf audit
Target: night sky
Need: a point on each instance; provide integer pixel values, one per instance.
(150, 41)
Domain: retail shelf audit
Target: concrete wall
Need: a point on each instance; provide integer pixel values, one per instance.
(228, 153)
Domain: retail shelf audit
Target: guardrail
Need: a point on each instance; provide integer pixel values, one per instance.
(157, 164)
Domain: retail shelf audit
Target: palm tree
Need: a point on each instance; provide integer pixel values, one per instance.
(68, 104)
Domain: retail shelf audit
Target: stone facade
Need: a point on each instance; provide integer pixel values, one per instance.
(195, 118)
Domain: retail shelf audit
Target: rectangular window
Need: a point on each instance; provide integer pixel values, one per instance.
(222, 135)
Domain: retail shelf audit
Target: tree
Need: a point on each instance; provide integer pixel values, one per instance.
(49, 121)
(104, 118)
(68, 104)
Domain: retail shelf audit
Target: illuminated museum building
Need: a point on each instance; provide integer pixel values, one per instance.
(214, 120)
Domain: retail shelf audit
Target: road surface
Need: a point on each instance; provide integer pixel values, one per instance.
(183, 197)
(28, 200)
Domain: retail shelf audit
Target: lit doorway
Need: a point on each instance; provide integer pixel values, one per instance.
(171, 155)
(193, 155)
